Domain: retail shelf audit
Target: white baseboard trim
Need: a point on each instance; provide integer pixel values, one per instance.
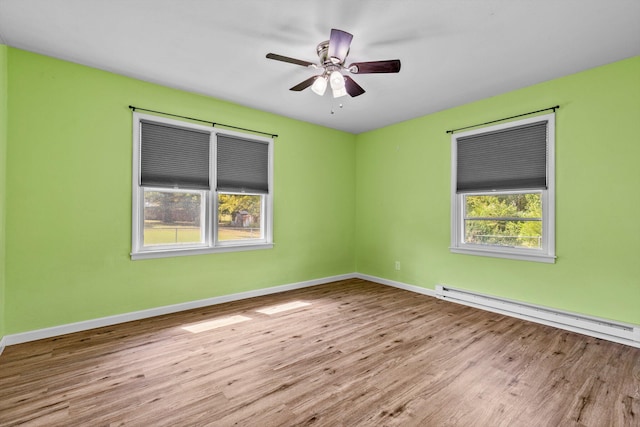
(399, 285)
(54, 331)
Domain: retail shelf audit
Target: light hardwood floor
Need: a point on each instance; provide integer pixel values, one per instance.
(358, 354)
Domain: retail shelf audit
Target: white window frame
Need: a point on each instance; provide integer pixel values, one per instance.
(544, 254)
(204, 229)
(209, 201)
(235, 243)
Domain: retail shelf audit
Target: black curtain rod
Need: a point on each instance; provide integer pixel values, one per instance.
(213, 124)
(554, 108)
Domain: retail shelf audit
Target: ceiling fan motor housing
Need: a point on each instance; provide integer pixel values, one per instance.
(322, 50)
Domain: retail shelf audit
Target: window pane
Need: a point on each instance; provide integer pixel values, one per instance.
(172, 218)
(513, 220)
(239, 217)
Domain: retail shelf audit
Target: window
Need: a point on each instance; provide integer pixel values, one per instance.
(502, 201)
(198, 189)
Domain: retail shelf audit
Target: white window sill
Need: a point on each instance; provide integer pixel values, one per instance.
(168, 253)
(549, 259)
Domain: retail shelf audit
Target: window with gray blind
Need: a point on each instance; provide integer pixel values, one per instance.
(242, 165)
(173, 157)
(198, 189)
(502, 191)
(506, 159)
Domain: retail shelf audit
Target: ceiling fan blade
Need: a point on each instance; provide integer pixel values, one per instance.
(289, 60)
(352, 87)
(339, 43)
(390, 66)
(305, 84)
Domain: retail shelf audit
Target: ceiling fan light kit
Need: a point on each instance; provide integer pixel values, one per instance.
(319, 85)
(332, 54)
(337, 93)
(337, 84)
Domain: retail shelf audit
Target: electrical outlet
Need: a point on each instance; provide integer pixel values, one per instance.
(397, 265)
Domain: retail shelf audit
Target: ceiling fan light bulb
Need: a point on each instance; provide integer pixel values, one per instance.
(337, 93)
(319, 85)
(337, 80)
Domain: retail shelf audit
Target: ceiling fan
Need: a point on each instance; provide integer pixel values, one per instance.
(332, 54)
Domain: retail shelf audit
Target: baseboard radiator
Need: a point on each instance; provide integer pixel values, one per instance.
(601, 328)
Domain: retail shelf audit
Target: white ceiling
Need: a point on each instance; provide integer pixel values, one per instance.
(452, 51)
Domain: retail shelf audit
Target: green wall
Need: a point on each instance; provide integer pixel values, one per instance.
(403, 198)
(343, 203)
(69, 200)
(3, 174)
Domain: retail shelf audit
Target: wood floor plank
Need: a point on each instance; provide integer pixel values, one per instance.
(349, 353)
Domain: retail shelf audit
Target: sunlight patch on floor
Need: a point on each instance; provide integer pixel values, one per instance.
(213, 324)
(283, 307)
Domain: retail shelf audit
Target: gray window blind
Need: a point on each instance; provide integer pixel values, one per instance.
(242, 165)
(173, 156)
(504, 160)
